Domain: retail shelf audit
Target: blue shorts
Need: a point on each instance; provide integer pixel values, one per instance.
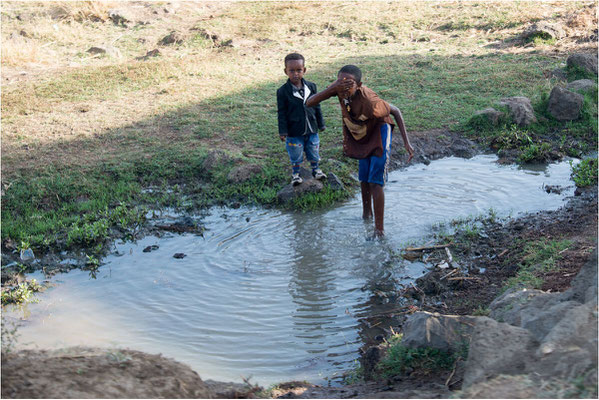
(374, 169)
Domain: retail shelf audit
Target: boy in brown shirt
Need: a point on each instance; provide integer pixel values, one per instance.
(367, 128)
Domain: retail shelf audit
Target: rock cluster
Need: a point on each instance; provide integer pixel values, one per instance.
(530, 335)
(565, 103)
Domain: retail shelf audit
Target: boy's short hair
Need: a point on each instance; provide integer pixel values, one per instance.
(352, 70)
(294, 56)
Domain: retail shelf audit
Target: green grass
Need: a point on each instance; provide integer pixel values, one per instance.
(585, 173)
(400, 359)
(21, 293)
(152, 123)
(538, 257)
(535, 142)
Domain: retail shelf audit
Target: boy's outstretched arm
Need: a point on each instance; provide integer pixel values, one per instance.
(402, 129)
(337, 88)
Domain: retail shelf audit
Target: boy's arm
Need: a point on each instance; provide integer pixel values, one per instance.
(402, 129)
(282, 117)
(337, 88)
(318, 111)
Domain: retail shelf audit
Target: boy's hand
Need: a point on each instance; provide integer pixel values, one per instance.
(342, 86)
(323, 128)
(282, 137)
(410, 151)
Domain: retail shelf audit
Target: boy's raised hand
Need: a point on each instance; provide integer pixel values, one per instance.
(342, 86)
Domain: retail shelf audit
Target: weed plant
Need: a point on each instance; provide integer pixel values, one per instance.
(400, 359)
(537, 258)
(585, 173)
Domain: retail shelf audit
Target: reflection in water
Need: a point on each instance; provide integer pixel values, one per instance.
(272, 294)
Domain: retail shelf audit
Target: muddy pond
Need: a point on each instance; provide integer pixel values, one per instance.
(269, 294)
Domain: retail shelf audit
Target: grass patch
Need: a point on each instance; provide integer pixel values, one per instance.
(585, 173)
(21, 293)
(400, 359)
(538, 141)
(538, 258)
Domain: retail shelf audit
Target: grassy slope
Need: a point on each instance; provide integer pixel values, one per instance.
(81, 134)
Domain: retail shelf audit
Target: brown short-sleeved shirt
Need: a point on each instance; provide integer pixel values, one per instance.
(362, 120)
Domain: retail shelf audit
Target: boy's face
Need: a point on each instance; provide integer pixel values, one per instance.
(355, 85)
(295, 70)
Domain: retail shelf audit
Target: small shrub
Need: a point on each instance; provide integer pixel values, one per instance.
(22, 293)
(401, 359)
(585, 173)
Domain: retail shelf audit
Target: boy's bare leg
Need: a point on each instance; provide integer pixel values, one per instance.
(366, 200)
(378, 198)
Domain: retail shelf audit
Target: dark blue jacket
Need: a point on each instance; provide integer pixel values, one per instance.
(292, 111)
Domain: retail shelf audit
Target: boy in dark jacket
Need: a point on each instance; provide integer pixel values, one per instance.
(367, 127)
(299, 124)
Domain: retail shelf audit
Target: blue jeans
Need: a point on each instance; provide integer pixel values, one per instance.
(297, 145)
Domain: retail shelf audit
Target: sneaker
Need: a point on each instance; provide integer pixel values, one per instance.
(318, 174)
(296, 179)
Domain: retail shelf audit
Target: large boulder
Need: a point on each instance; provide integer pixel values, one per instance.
(490, 115)
(564, 105)
(544, 30)
(570, 348)
(497, 348)
(581, 85)
(583, 61)
(583, 287)
(520, 110)
(438, 331)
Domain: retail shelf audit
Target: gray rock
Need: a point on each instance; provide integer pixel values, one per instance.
(541, 321)
(495, 349)
(491, 114)
(520, 110)
(243, 173)
(584, 61)
(544, 30)
(334, 182)
(309, 185)
(508, 307)
(570, 348)
(583, 287)
(438, 331)
(582, 85)
(560, 74)
(463, 148)
(564, 105)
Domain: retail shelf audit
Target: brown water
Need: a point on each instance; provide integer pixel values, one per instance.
(270, 294)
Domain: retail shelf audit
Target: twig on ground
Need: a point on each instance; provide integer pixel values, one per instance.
(438, 246)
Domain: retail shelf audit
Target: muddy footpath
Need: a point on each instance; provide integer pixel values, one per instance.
(522, 343)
